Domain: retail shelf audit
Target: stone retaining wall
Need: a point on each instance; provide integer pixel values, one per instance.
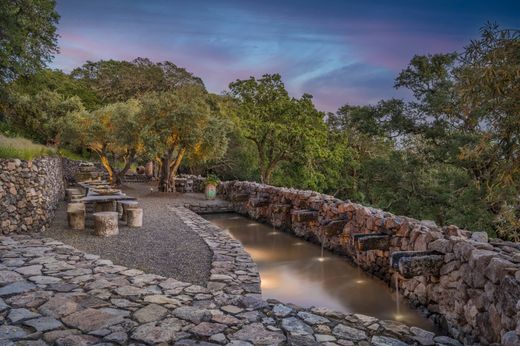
(466, 283)
(29, 193)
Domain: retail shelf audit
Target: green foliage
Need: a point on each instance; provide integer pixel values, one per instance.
(23, 149)
(40, 116)
(114, 132)
(58, 82)
(27, 37)
(282, 128)
(212, 179)
(116, 81)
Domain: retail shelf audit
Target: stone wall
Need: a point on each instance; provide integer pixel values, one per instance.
(465, 282)
(29, 193)
(71, 169)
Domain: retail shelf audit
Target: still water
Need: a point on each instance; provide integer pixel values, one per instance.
(293, 270)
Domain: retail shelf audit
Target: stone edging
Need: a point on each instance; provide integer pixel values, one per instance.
(232, 268)
(52, 293)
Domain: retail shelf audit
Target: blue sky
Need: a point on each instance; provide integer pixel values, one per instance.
(339, 51)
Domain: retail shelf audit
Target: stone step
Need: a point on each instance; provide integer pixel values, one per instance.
(374, 241)
(416, 263)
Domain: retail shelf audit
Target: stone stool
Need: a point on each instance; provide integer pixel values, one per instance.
(134, 217)
(127, 205)
(76, 216)
(104, 206)
(106, 223)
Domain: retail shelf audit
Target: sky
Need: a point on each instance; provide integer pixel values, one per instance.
(339, 51)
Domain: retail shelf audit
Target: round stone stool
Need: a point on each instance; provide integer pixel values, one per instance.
(76, 216)
(127, 205)
(105, 206)
(134, 217)
(106, 223)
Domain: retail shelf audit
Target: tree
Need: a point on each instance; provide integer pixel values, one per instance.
(117, 81)
(28, 36)
(282, 128)
(40, 116)
(183, 122)
(114, 132)
(55, 81)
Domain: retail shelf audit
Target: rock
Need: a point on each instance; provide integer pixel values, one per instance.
(192, 314)
(152, 334)
(258, 335)
(117, 337)
(44, 280)
(161, 299)
(349, 333)
(11, 332)
(281, 310)
(130, 291)
(59, 306)
(149, 313)
(16, 315)
(232, 309)
(324, 338)
(77, 340)
(91, 319)
(16, 287)
(54, 335)
(480, 237)
(43, 324)
(8, 276)
(497, 269)
(312, 318)
(386, 341)
(30, 270)
(422, 336)
(207, 329)
(445, 340)
(510, 339)
(295, 326)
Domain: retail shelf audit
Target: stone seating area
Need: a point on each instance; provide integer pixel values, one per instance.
(106, 212)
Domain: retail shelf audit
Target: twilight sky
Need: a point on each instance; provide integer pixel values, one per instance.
(340, 51)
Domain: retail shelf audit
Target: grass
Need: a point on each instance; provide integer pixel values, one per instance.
(23, 149)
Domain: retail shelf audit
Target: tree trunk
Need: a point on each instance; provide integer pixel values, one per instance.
(164, 177)
(106, 163)
(119, 175)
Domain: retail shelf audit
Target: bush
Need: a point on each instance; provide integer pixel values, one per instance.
(21, 148)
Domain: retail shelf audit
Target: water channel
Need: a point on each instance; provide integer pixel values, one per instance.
(296, 271)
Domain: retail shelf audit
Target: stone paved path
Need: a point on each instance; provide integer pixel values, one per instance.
(52, 293)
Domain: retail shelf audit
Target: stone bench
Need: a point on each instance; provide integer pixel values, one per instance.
(134, 217)
(72, 192)
(76, 216)
(106, 223)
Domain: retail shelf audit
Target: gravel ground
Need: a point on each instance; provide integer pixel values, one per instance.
(163, 246)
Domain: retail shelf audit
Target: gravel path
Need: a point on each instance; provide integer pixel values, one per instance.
(163, 246)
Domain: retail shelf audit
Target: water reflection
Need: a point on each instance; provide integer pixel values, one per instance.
(305, 274)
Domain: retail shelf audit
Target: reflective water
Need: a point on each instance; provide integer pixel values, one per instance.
(296, 271)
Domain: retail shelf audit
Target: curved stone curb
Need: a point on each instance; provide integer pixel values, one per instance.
(232, 268)
(51, 293)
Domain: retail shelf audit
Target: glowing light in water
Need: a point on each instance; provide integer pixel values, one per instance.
(360, 281)
(298, 243)
(273, 233)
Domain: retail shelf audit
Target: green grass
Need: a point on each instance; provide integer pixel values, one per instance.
(23, 149)
(71, 155)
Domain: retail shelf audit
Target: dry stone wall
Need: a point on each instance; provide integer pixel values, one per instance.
(29, 193)
(465, 282)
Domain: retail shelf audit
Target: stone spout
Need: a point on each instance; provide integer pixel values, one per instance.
(416, 263)
(374, 241)
(304, 215)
